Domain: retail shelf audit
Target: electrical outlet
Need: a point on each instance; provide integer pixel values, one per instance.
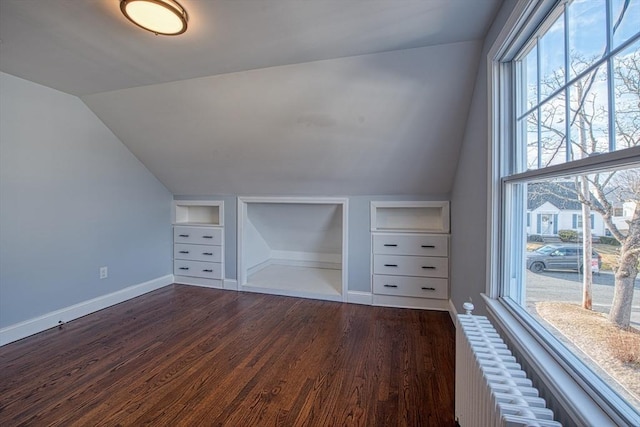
(104, 272)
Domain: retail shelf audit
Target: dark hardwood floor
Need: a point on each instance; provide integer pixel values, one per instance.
(191, 356)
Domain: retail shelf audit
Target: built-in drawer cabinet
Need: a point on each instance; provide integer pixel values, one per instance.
(197, 252)
(197, 235)
(421, 287)
(410, 252)
(405, 244)
(207, 270)
(406, 265)
(198, 242)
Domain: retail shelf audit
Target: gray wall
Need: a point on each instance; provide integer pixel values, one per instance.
(469, 193)
(359, 235)
(72, 198)
(384, 123)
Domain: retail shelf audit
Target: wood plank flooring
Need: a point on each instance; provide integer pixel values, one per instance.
(192, 356)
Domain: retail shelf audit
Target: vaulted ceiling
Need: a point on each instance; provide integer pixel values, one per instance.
(268, 97)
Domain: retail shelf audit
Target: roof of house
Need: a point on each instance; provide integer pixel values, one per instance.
(562, 195)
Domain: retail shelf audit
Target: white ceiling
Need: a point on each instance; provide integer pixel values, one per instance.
(268, 97)
(88, 46)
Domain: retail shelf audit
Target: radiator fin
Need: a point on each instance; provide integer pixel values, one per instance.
(491, 387)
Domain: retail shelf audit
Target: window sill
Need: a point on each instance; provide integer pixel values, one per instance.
(566, 393)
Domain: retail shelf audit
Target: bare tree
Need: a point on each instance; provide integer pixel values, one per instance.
(587, 249)
(627, 184)
(599, 192)
(584, 117)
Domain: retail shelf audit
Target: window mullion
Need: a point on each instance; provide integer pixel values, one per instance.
(519, 128)
(610, 80)
(538, 97)
(617, 159)
(612, 106)
(567, 105)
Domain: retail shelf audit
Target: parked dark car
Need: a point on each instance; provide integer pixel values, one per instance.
(559, 257)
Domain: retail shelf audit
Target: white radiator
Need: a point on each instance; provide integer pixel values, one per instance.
(491, 387)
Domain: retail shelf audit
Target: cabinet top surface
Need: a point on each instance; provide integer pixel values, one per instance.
(196, 224)
(407, 231)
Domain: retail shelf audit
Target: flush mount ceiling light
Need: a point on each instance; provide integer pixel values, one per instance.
(165, 17)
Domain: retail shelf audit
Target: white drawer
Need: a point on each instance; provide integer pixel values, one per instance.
(406, 244)
(197, 235)
(411, 265)
(197, 252)
(422, 287)
(209, 270)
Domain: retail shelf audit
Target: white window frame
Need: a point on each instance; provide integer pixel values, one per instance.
(559, 369)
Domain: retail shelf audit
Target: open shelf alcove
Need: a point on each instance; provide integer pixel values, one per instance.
(293, 246)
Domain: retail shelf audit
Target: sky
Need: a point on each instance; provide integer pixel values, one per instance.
(586, 37)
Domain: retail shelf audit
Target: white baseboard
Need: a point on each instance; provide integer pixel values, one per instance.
(409, 302)
(358, 297)
(230, 284)
(41, 323)
(453, 312)
(290, 293)
(198, 281)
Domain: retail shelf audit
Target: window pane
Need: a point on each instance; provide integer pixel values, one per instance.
(551, 45)
(587, 34)
(529, 67)
(589, 106)
(626, 72)
(629, 20)
(553, 132)
(529, 128)
(554, 277)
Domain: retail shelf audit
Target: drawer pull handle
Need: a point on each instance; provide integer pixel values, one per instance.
(390, 286)
(390, 245)
(208, 271)
(207, 253)
(428, 267)
(184, 268)
(184, 235)
(184, 252)
(207, 237)
(391, 265)
(428, 289)
(429, 246)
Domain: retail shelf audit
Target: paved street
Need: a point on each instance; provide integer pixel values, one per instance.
(567, 286)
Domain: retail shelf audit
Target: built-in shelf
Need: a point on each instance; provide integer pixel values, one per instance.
(195, 212)
(282, 279)
(419, 217)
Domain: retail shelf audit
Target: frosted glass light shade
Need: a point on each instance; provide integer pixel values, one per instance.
(165, 17)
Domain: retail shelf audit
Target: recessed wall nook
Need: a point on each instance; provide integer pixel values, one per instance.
(293, 246)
